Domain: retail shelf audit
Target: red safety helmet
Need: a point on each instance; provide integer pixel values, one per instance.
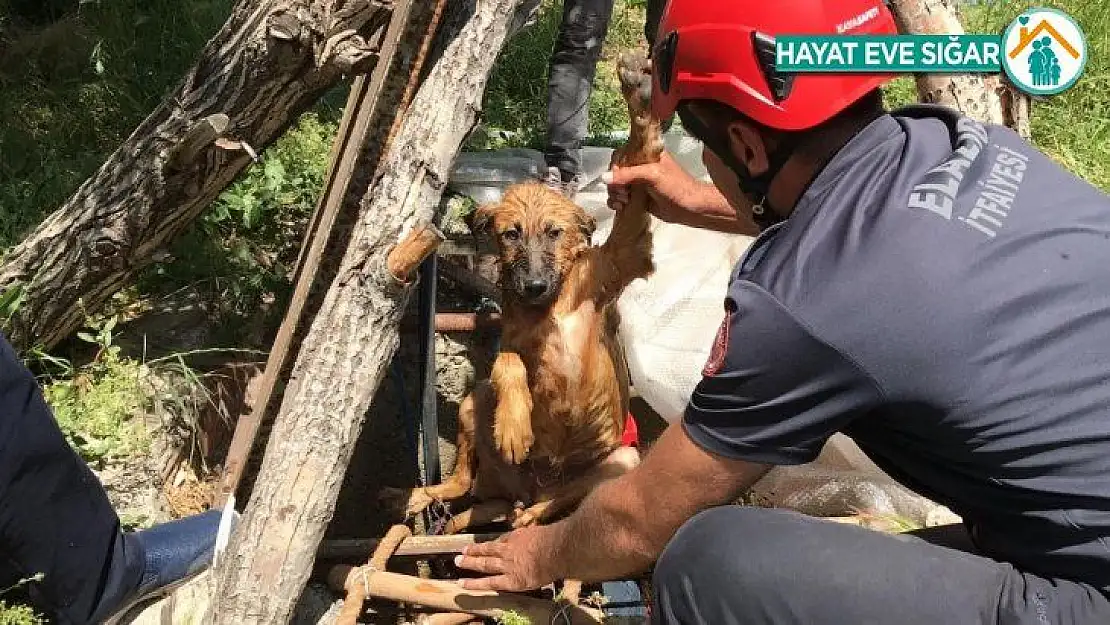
(724, 50)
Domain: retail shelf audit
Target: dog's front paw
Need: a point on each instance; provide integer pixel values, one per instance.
(527, 517)
(512, 434)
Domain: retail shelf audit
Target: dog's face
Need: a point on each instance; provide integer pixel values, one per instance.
(539, 235)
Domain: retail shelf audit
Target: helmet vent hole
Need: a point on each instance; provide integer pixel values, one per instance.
(779, 83)
(663, 61)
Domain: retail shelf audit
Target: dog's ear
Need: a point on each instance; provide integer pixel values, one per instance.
(587, 224)
(481, 220)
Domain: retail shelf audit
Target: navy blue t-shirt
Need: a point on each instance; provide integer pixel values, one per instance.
(941, 294)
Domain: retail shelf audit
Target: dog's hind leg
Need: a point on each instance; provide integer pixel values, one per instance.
(481, 513)
(563, 498)
(462, 478)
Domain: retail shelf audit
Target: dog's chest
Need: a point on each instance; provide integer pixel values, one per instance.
(573, 388)
(566, 349)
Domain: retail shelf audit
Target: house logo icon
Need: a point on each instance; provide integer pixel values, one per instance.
(1045, 51)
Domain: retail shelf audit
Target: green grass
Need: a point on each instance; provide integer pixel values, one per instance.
(16, 614)
(99, 410)
(100, 404)
(1074, 126)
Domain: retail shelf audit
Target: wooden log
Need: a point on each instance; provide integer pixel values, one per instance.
(354, 335)
(349, 142)
(347, 548)
(451, 597)
(983, 97)
(271, 61)
(446, 618)
(355, 581)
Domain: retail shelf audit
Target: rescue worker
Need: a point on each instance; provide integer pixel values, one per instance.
(933, 287)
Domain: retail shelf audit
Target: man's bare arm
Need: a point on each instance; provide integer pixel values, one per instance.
(622, 527)
(679, 197)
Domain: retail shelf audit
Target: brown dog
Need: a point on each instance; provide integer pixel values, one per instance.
(546, 427)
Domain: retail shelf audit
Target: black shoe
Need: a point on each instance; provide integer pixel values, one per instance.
(557, 182)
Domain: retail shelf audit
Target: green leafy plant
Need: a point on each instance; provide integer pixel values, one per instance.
(17, 614)
(98, 405)
(511, 617)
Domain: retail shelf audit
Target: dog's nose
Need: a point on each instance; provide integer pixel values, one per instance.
(534, 288)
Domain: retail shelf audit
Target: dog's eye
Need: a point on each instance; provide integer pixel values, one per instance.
(555, 233)
(511, 235)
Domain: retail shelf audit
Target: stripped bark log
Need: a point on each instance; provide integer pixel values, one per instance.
(985, 97)
(360, 118)
(354, 581)
(451, 597)
(345, 548)
(271, 61)
(355, 333)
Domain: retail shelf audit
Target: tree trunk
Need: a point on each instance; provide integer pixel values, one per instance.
(271, 61)
(984, 97)
(355, 333)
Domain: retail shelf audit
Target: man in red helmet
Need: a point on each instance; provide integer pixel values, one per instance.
(931, 286)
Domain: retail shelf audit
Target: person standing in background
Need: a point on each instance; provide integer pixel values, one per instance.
(573, 66)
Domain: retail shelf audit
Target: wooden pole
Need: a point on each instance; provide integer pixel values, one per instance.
(451, 597)
(354, 335)
(412, 546)
(348, 143)
(355, 580)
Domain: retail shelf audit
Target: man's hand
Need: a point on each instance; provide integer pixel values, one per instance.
(516, 562)
(674, 190)
(678, 197)
(621, 527)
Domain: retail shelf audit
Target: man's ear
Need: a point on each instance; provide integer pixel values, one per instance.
(748, 147)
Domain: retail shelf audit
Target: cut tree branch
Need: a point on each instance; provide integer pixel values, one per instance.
(354, 334)
(271, 61)
(983, 97)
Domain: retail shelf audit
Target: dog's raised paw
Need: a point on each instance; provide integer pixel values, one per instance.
(634, 72)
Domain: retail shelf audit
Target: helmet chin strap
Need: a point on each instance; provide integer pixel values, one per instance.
(757, 187)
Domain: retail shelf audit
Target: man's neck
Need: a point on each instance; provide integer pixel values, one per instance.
(808, 162)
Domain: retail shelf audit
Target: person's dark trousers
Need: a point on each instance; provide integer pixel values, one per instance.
(653, 17)
(651, 24)
(55, 518)
(570, 81)
(753, 566)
